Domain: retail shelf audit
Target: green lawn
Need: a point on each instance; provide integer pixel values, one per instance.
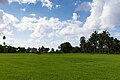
(59, 67)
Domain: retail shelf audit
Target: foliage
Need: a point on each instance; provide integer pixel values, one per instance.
(97, 43)
(100, 43)
(65, 47)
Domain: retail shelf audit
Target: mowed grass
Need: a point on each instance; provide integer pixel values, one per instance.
(59, 67)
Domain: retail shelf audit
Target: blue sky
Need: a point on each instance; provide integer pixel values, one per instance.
(64, 12)
(50, 22)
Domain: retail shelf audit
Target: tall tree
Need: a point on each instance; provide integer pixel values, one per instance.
(4, 43)
(94, 41)
(88, 47)
(82, 44)
(39, 50)
(52, 50)
(104, 42)
(42, 49)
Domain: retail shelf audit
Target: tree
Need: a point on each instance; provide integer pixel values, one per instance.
(57, 51)
(28, 50)
(10, 49)
(39, 50)
(88, 47)
(52, 50)
(42, 49)
(76, 49)
(105, 42)
(4, 43)
(1, 49)
(94, 41)
(33, 50)
(82, 44)
(65, 47)
(22, 50)
(115, 46)
(46, 50)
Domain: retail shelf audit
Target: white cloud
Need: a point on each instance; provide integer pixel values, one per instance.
(50, 29)
(33, 15)
(71, 29)
(39, 25)
(47, 3)
(23, 1)
(43, 25)
(7, 21)
(5, 2)
(84, 6)
(110, 16)
(57, 6)
(27, 23)
(75, 16)
(104, 15)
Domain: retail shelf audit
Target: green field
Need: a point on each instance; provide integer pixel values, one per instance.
(59, 67)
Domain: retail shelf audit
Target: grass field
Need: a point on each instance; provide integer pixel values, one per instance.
(59, 67)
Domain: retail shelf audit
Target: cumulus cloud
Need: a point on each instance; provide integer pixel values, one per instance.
(7, 21)
(84, 6)
(43, 25)
(32, 23)
(71, 29)
(50, 29)
(104, 15)
(110, 16)
(27, 23)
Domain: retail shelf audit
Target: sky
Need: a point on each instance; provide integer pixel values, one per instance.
(33, 23)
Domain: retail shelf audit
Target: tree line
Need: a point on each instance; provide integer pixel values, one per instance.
(100, 43)
(97, 43)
